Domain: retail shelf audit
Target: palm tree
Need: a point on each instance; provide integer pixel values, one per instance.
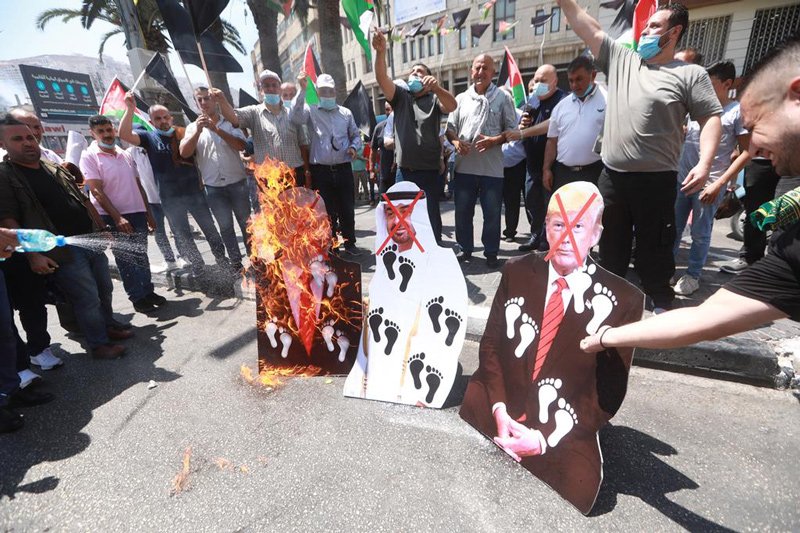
(330, 36)
(266, 19)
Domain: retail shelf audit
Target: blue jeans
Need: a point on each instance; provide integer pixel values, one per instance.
(177, 209)
(11, 346)
(702, 224)
(86, 283)
(130, 254)
(467, 189)
(161, 234)
(428, 181)
(226, 203)
(252, 189)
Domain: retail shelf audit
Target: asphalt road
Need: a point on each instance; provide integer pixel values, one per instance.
(684, 452)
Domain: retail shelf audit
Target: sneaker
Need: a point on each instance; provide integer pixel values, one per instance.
(46, 360)
(687, 285)
(674, 279)
(734, 266)
(26, 377)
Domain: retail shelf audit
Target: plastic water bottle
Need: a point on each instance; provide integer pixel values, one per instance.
(38, 240)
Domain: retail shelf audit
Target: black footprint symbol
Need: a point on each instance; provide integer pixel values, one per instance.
(452, 323)
(392, 331)
(374, 320)
(434, 379)
(406, 269)
(434, 311)
(389, 256)
(415, 365)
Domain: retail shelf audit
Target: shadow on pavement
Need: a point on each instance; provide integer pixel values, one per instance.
(53, 432)
(631, 467)
(233, 345)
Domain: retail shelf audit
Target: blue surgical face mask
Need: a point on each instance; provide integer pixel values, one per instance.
(101, 144)
(168, 132)
(648, 46)
(414, 84)
(287, 104)
(327, 102)
(540, 89)
(586, 92)
(272, 99)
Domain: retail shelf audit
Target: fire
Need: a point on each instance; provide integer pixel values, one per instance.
(271, 377)
(290, 237)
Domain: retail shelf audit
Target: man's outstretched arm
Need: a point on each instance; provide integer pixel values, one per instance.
(583, 24)
(725, 313)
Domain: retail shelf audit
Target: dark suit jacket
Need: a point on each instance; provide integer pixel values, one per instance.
(348, 288)
(594, 385)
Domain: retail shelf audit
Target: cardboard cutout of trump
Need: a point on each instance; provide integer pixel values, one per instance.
(416, 323)
(536, 394)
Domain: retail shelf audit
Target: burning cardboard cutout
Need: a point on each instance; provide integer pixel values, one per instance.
(415, 327)
(308, 301)
(535, 393)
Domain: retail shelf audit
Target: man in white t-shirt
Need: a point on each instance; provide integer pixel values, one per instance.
(575, 124)
(216, 144)
(703, 204)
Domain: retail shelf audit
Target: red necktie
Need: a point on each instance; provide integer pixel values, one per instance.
(307, 312)
(553, 314)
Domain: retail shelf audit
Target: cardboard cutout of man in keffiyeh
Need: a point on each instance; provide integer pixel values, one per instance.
(417, 318)
(536, 394)
(308, 301)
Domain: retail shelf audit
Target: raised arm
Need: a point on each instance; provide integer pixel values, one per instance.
(126, 132)
(225, 107)
(382, 77)
(300, 112)
(583, 24)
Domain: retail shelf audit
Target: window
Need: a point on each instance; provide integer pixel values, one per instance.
(462, 39)
(709, 36)
(770, 27)
(504, 11)
(413, 50)
(367, 64)
(440, 43)
(431, 50)
(539, 30)
(421, 43)
(555, 21)
(405, 53)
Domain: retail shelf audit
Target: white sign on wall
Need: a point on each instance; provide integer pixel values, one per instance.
(406, 10)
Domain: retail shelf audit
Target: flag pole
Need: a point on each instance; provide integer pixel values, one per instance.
(203, 62)
(139, 79)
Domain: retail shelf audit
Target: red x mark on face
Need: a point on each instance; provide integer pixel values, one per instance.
(401, 221)
(570, 224)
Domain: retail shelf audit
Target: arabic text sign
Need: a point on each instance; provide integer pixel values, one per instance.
(58, 95)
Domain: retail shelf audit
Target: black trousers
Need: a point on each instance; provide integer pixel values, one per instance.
(335, 184)
(640, 204)
(27, 293)
(536, 198)
(760, 182)
(563, 174)
(513, 190)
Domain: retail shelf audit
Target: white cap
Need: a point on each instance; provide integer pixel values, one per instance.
(267, 74)
(76, 144)
(325, 80)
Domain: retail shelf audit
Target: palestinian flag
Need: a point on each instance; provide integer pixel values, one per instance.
(503, 27)
(284, 6)
(644, 10)
(312, 70)
(487, 8)
(511, 76)
(360, 13)
(113, 105)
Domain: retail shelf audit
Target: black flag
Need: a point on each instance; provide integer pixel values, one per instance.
(179, 26)
(540, 20)
(204, 13)
(141, 105)
(415, 30)
(502, 75)
(460, 17)
(245, 99)
(359, 103)
(158, 70)
(477, 32)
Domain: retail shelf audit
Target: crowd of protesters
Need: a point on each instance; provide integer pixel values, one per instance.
(662, 139)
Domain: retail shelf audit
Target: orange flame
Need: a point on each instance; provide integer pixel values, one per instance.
(288, 233)
(271, 377)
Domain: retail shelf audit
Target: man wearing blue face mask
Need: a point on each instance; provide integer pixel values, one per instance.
(545, 96)
(649, 96)
(335, 141)
(418, 114)
(274, 134)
